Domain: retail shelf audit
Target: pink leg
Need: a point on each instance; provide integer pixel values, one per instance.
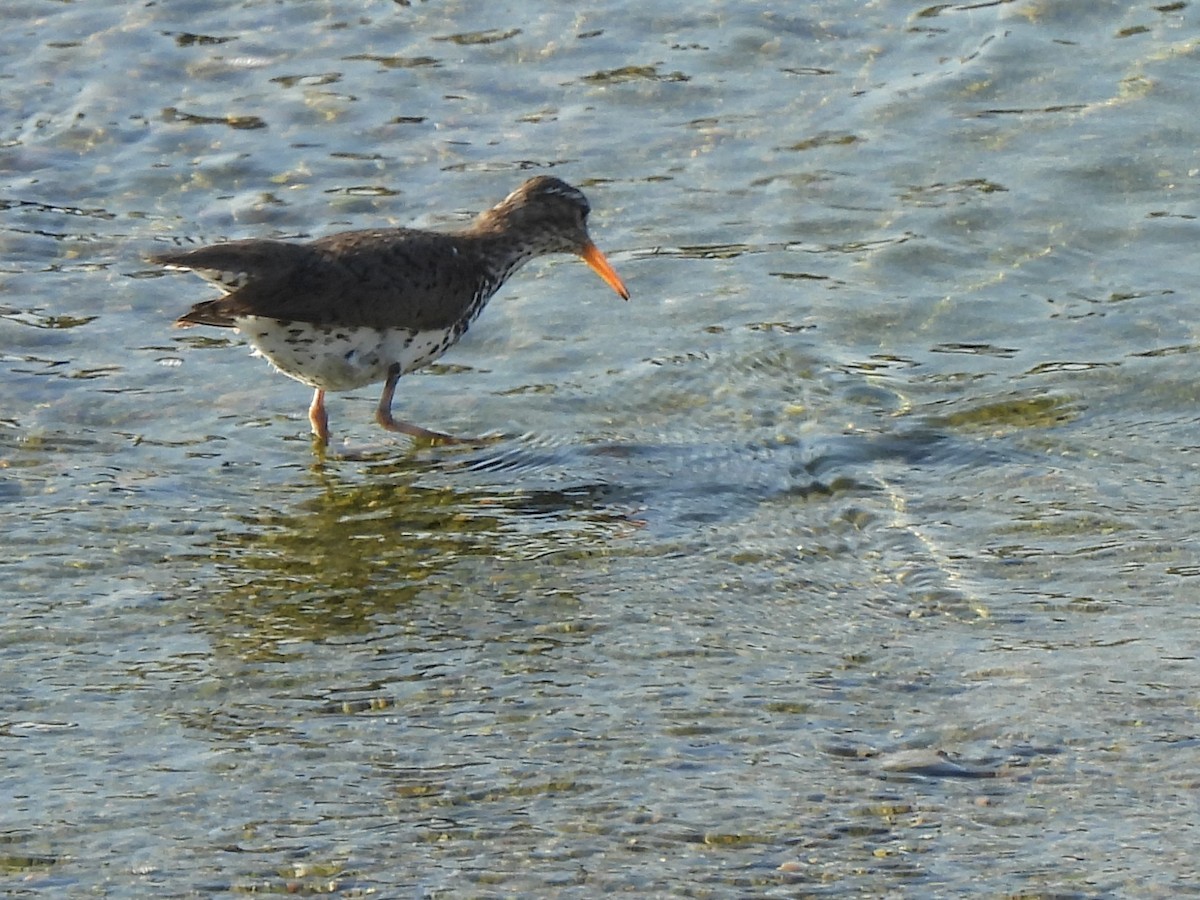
(319, 418)
(383, 415)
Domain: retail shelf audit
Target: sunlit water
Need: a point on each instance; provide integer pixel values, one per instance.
(853, 555)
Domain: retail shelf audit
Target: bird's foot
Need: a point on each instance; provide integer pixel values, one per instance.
(424, 435)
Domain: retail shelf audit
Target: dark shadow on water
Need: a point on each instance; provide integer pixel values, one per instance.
(400, 539)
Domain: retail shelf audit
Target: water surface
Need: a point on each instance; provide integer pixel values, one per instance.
(852, 556)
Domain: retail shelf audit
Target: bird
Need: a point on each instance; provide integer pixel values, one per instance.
(359, 307)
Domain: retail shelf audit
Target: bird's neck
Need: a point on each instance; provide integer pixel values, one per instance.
(502, 253)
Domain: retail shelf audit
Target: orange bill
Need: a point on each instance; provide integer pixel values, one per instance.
(594, 258)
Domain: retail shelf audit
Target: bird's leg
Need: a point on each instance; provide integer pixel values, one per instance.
(319, 418)
(383, 414)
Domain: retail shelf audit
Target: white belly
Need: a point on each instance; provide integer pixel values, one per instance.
(337, 358)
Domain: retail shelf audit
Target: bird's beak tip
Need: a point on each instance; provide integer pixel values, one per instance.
(600, 265)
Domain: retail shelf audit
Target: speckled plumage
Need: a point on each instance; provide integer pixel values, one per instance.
(358, 307)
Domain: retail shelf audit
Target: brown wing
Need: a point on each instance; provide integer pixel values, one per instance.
(386, 277)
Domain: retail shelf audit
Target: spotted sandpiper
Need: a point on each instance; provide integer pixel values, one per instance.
(359, 307)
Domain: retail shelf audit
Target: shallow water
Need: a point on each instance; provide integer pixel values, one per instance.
(853, 555)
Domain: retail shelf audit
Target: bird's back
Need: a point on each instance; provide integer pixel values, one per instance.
(379, 278)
